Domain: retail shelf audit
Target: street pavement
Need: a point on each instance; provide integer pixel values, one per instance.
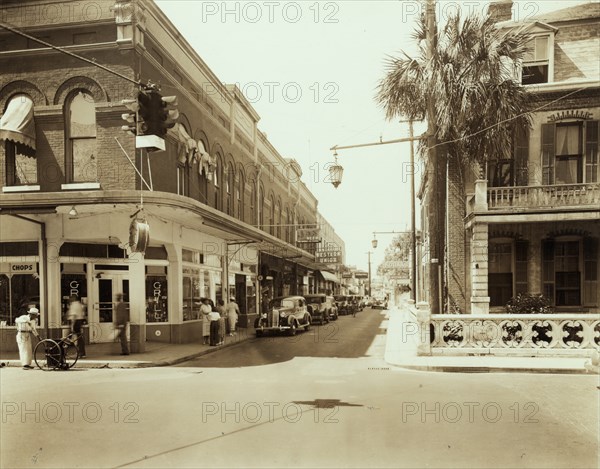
(399, 339)
(306, 401)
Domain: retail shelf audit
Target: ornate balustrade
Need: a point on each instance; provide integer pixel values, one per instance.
(566, 195)
(526, 333)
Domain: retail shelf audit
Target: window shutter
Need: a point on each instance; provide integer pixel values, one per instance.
(521, 266)
(548, 155)
(521, 157)
(548, 268)
(591, 151)
(590, 271)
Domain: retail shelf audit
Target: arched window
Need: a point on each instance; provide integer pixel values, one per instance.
(17, 128)
(216, 182)
(272, 217)
(288, 228)
(202, 176)
(229, 187)
(278, 215)
(81, 151)
(261, 207)
(240, 195)
(252, 204)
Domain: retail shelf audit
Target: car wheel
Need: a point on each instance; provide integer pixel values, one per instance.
(292, 329)
(307, 327)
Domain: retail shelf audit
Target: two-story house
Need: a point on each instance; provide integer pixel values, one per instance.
(533, 221)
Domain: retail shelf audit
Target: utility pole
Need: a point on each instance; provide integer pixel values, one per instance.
(436, 202)
(369, 279)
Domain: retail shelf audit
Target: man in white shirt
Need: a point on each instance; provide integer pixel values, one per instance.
(25, 329)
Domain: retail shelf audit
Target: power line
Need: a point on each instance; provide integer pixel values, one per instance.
(63, 51)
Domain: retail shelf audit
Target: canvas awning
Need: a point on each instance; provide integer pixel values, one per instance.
(207, 163)
(329, 276)
(186, 145)
(17, 124)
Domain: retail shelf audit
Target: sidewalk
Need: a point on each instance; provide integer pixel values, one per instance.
(401, 350)
(157, 354)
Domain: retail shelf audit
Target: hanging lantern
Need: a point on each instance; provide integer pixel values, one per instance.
(335, 172)
(139, 235)
(374, 243)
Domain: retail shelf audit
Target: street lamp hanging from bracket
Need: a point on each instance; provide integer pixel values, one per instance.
(336, 171)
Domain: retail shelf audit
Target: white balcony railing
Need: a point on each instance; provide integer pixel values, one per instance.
(551, 332)
(565, 195)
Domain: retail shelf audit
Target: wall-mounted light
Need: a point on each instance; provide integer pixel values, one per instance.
(374, 243)
(73, 212)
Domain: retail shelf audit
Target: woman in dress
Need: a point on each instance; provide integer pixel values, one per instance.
(205, 310)
(233, 312)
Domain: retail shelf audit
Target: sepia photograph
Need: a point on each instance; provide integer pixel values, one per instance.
(300, 234)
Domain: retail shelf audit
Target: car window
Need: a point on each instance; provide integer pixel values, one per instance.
(287, 303)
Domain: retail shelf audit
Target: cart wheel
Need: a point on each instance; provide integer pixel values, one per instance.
(71, 354)
(47, 355)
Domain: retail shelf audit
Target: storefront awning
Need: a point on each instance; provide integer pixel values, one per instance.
(17, 124)
(329, 276)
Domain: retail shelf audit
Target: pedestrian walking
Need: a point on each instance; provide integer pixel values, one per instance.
(76, 317)
(222, 319)
(214, 318)
(205, 310)
(25, 329)
(233, 312)
(121, 321)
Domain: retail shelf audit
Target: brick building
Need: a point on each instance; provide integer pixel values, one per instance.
(223, 207)
(531, 223)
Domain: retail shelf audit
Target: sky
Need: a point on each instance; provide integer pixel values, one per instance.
(311, 69)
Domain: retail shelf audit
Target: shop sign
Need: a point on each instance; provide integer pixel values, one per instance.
(329, 256)
(308, 235)
(18, 268)
(395, 265)
(347, 275)
(361, 274)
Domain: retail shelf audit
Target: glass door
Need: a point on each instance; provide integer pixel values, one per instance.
(106, 287)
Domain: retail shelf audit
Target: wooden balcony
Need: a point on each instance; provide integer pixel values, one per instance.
(574, 196)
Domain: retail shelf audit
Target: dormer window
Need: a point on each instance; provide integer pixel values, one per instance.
(536, 63)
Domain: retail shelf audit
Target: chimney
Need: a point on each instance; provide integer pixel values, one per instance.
(500, 10)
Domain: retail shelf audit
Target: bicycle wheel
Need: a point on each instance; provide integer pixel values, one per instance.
(47, 355)
(71, 354)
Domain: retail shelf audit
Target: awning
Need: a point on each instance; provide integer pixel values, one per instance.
(329, 276)
(17, 124)
(207, 163)
(186, 145)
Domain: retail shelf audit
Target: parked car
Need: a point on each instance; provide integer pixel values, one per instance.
(380, 303)
(317, 307)
(341, 301)
(286, 314)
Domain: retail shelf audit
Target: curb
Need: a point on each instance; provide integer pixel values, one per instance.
(493, 369)
(123, 364)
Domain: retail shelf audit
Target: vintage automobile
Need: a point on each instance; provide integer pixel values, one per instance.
(321, 307)
(341, 301)
(333, 309)
(286, 314)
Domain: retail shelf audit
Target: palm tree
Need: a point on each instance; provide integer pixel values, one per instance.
(463, 81)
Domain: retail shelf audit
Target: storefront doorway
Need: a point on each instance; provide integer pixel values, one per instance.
(106, 286)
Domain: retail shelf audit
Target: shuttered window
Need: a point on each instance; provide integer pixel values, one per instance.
(548, 268)
(548, 154)
(521, 266)
(591, 151)
(590, 272)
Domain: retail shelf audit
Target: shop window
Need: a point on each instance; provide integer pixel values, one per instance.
(73, 282)
(81, 148)
(191, 294)
(156, 294)
(17, 293)
(536, 63)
